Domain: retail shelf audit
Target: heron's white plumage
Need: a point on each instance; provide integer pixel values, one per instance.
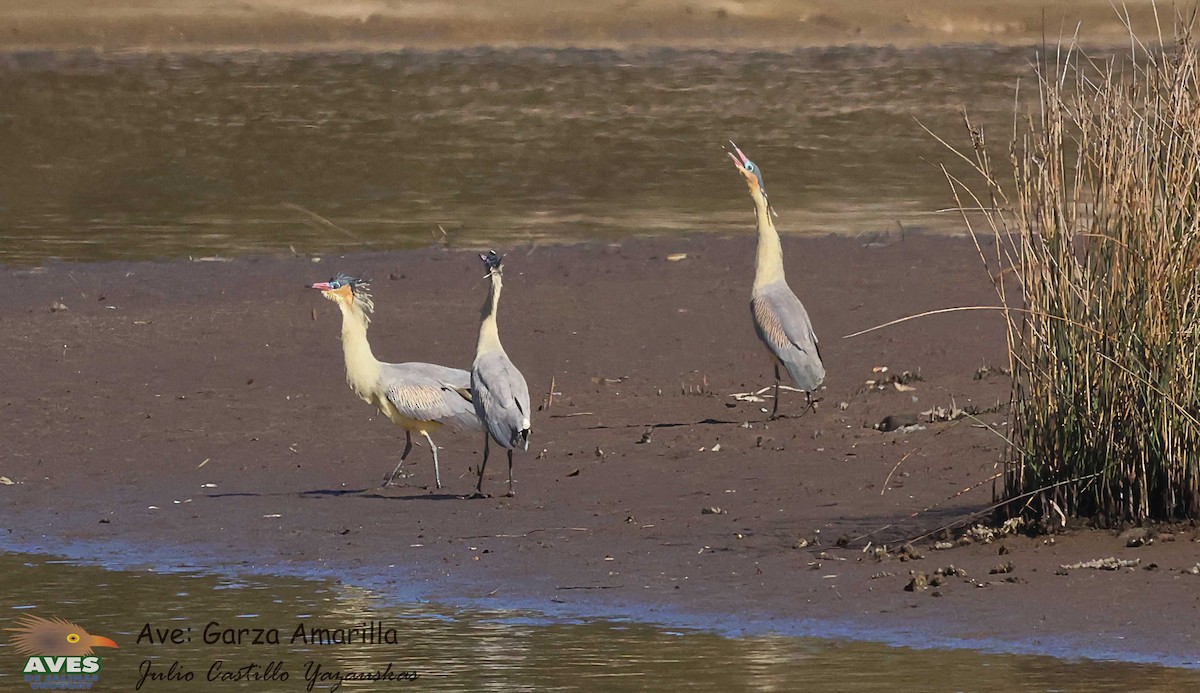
(418, 397)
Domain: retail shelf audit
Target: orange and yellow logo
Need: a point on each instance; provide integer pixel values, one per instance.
(59, 653)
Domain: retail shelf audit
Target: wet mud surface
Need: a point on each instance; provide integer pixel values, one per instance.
(200, 408)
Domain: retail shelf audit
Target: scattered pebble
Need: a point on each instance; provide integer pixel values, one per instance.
(943, 545)
(1138, 536)
(1002, 569)
(714, 510)
(895, 422)
(950, 571)
(917, 583)
(987, 534)
(1109, 563)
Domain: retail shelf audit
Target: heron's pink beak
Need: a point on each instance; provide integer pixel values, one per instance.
(321, 286)
(101, 641)
(739, 159)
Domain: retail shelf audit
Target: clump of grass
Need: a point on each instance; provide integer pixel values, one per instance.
(1097, 231)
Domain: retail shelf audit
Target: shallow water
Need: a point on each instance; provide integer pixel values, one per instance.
(457, 649)
(138, 155)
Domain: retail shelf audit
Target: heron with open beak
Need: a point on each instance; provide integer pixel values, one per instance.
(780, 319)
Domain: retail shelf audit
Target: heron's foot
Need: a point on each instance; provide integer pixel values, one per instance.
(478, 494)
(510, 493)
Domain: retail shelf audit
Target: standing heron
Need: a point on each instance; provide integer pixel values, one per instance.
(418, 397)
(779, 318)
(498, 389)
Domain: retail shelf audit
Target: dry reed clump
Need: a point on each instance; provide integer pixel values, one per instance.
(1098, 237)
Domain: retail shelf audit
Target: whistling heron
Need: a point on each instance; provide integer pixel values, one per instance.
(779, 318)
(418, 397)
(498, 389)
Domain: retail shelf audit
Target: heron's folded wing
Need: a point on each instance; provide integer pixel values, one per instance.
(423, 397)
(499, 386)
(784, 323)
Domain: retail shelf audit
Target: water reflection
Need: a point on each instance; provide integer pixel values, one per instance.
(483, 650)
(133, 155)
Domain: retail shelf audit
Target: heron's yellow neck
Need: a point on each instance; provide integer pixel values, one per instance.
(768, 263)
(362, 368)
(489, 336)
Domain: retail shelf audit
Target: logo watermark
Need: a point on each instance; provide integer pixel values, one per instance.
(59, 653)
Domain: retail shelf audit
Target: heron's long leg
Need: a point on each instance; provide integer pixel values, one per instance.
(775, 409)
(510, 488)
(437, 474)
(483, 465)
(407, 448)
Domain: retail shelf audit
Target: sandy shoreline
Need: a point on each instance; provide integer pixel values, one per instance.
(726, 24)
(161, 378)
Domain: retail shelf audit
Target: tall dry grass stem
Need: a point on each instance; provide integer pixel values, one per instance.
(1095, 221)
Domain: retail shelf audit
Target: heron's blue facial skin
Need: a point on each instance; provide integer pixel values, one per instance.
(757, 174)
(344, 280)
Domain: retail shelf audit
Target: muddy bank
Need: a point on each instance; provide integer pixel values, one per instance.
(176, 24)
(200, 408)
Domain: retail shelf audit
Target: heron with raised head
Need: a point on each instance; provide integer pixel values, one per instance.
(498, 389)
(417, 397)
(779, 318)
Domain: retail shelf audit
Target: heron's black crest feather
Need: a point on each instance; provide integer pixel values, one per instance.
(492, 260)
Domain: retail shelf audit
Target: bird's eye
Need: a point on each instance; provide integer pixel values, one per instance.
(73, 638)
(749, 166)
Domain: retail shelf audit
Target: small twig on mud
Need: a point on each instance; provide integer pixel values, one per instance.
(922, 315)
(889, 476)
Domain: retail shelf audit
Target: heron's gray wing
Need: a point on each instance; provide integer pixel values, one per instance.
(501, 397)
(427, 392)
(782, 324)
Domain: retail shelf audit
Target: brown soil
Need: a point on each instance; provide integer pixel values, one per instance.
(161, 379)
(123, 24)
